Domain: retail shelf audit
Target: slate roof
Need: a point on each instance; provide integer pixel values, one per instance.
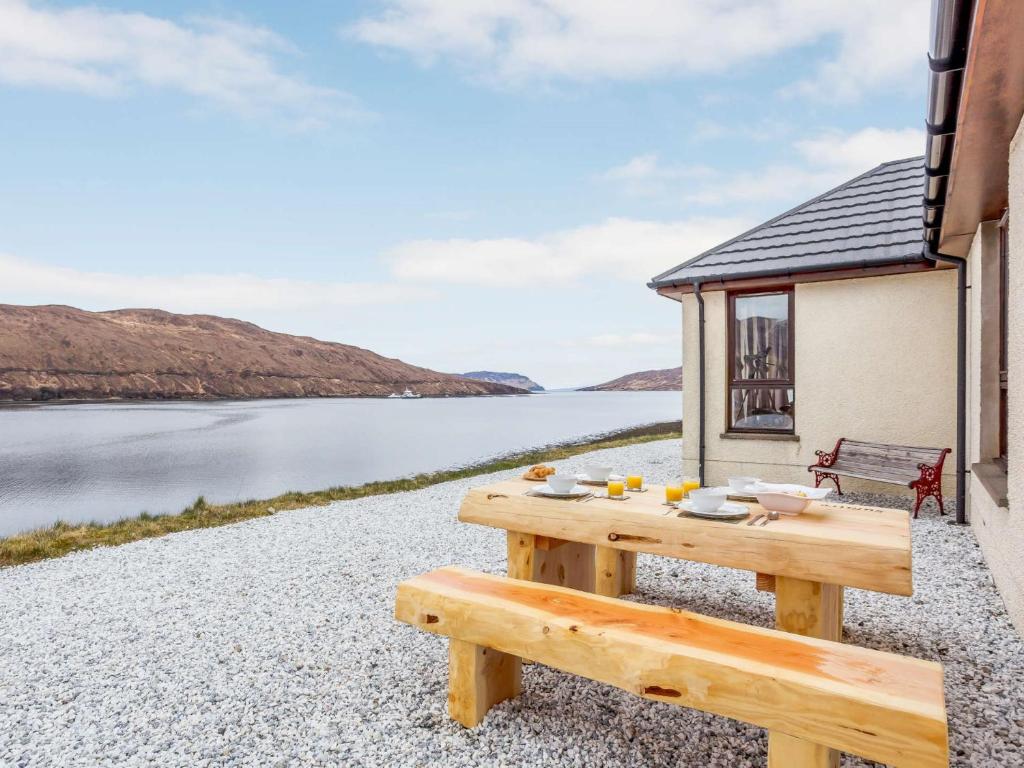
(871, 220)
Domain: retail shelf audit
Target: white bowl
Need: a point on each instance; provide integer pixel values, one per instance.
(561, 483)
(596, 472)
(741, 484)
(801, 491)
(707, 499)
(784, 503)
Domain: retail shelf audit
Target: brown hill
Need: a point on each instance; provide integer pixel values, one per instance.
(56, 352)
(662, 380)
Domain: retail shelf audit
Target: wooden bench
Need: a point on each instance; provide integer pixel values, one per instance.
(917, 468)
(813, 695)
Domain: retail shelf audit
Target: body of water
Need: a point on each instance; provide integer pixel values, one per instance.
(108, 461)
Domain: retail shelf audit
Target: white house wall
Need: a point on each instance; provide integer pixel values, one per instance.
(875, 360)
(1000, 530)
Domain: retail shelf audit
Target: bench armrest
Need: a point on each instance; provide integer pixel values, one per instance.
(828, 458)
(931, 473)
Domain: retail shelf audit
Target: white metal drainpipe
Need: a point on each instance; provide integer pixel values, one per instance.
(961, 377)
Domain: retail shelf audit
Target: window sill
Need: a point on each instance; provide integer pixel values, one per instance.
(993, 480)
(782, 437)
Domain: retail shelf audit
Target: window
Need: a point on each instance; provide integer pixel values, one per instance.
(1004, 310)
(761, 392)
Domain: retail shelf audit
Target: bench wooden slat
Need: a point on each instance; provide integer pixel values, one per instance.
(878, 458)
(884, 463)
(869, 473)
(895, 472)
(886, 449)
(878, 705)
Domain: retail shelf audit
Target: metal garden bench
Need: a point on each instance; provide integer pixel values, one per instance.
(917, 468)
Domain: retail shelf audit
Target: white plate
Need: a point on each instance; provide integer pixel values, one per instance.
(586, 479)
(727, 511)
(547, 490)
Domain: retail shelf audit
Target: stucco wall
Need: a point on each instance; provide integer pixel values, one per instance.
(983, 344)
(875, 360)
(1000, 531)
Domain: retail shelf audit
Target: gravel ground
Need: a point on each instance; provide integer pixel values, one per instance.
(271, 642)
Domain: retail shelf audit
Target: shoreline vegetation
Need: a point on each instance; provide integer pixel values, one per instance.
(63, 538)
(48, 402)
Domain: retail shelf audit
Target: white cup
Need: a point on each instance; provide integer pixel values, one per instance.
(597, 473)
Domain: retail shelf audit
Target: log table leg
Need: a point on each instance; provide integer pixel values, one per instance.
(479, 678)
(814, 610)
(615, 571)
(551, 561)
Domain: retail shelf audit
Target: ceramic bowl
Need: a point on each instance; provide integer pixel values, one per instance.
(707, 499)
(561, 483)
(741, 484)
(596, 472)
(783, 503)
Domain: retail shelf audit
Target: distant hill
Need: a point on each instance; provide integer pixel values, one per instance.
(662, 380)
(56, 352)
(512, 379)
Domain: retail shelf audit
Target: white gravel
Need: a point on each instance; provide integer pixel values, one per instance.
(271, 642)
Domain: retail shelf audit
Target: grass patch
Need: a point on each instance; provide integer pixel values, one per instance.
(61, 537)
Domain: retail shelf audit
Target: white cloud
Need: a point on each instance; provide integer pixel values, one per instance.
(824, 160)
(877, 42)
(617, 249)
(859, 151)
(645, 175)
(884, 39)
(106, 53)
(828, 159)
(637, 339)
(27, 282)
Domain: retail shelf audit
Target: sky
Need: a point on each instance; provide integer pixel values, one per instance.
(462, 184)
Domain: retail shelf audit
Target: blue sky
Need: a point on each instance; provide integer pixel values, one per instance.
(460, 184)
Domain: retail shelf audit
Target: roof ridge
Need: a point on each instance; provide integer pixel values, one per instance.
(904, 160)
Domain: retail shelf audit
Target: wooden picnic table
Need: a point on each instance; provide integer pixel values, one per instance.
(806, 560)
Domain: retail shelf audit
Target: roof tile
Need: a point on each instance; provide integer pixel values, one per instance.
(871, 220)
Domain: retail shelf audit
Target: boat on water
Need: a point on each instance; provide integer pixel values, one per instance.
(407, 395)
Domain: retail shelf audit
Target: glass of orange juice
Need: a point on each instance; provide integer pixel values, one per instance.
(634, 482)
(673, 493)
(616, 489)
(690, 484)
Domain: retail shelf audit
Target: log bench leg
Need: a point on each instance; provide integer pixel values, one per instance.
(551, 561)
(790, 752)
(615, 571)
(814, 610)
(479, 678)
